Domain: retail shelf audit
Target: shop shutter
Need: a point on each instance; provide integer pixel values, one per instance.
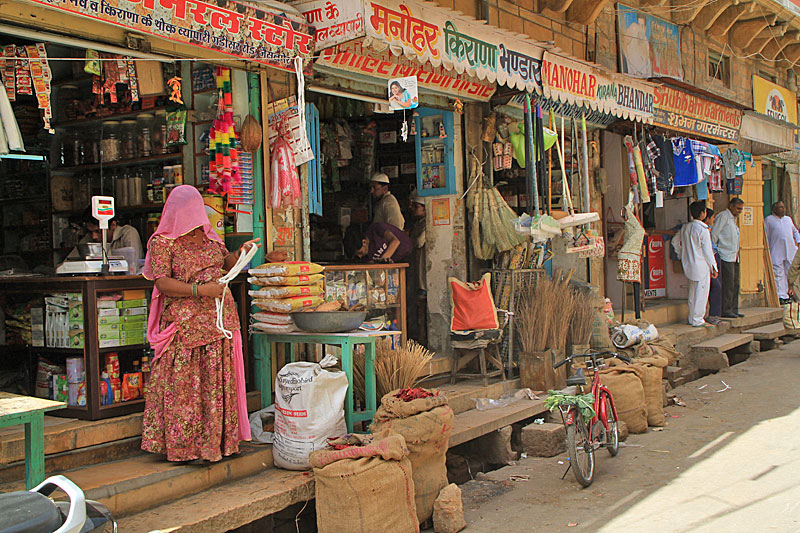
(751, 229)
(315, 165)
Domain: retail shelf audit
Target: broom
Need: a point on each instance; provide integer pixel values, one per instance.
(402, 368)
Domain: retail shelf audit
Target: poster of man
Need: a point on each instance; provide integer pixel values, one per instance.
(649, 46)
(403, 93)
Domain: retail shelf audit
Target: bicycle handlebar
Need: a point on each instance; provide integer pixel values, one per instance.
(592, 355)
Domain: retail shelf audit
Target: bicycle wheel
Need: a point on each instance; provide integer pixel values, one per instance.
(612, 435)
(581, 451)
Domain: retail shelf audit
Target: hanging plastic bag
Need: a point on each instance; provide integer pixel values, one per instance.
(285, 191)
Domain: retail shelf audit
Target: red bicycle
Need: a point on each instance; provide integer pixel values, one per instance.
(589, 419)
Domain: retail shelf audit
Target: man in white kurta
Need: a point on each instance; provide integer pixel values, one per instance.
(699, 265)
(783, 237)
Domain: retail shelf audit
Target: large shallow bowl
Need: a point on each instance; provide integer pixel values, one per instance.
(329, 321)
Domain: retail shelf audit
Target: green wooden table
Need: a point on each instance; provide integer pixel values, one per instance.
(346, 341)
(15, 410)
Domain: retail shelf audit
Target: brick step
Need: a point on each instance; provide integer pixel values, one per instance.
(715, 354)
(141, 482)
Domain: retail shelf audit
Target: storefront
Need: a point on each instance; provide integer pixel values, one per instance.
(123, 106)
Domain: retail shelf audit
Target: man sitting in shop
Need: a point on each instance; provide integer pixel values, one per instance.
(381, 243)
(386, 209)
(117, 236)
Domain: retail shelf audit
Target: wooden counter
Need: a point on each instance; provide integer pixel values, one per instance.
(34, 289)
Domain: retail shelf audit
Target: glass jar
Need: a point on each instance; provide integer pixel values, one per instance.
(144, 123)
(110, 143)
(128, 146)
(158, 145)
(90, 147)
(71, 149)
(69, 97)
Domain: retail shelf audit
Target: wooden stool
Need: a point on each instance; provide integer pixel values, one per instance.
(475, 347)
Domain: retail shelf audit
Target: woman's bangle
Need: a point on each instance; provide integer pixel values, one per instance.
(194, 289)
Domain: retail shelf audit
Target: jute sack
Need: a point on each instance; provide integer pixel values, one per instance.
(425, 424)
(626, 388)
(659, 347)
(366, 487)
(651, 373)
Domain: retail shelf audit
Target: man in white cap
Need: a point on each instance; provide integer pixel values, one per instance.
(386, 209)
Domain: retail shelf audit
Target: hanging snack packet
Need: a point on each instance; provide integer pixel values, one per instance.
(131, 386)
(93, 64)
(176, 127)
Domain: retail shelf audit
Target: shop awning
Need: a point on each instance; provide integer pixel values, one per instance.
(768, 135)
(239, 30)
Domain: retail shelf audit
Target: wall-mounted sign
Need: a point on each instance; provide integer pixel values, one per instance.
(574, 82)
(655, 285)
(747, 216)
(335, 21)
(774, 101)
(441, 211)
(359, 59)
(403, 93)
(692, 114)
(649, 47)
(239, 30)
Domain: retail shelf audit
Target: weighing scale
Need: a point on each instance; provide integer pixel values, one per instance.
(103, 211)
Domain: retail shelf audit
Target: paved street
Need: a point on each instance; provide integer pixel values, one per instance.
(726, 462)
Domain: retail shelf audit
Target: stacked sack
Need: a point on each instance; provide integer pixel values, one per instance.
(284, 288)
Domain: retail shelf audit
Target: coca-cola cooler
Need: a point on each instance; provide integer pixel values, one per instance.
(655, 282)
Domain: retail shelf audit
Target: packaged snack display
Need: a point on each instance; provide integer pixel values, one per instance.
(287, 292)
(293, 268)
(262, 281)
(287, 305)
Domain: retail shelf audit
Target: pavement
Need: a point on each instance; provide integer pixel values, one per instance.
(727, 461)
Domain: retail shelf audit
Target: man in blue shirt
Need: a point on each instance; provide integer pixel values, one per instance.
(725, 234)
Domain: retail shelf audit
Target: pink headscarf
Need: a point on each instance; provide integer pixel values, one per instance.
(184, 211)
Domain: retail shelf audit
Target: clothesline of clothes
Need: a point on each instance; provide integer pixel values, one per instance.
(681, 162)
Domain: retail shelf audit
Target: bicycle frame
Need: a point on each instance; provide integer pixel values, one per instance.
(599, 392)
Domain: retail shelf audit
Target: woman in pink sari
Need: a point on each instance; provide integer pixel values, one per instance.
(195, 406)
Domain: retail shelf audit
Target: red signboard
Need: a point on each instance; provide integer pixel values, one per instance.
(655, 285)
(693, 114)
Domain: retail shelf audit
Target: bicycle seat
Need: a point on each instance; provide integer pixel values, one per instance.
(578, 379)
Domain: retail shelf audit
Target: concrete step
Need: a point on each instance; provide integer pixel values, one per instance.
(472, 424)
(141, 482)
(226, 507)
(462, 394)
(755, 317)
(685, 336)
(768, 332)
(711, 354)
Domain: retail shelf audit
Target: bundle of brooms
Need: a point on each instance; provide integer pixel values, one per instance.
(580, 324)
(544, 315)
(394, 369)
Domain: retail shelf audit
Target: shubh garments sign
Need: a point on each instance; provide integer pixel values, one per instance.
(239, 30)
(692, 114)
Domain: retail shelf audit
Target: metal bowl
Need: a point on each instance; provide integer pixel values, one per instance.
(90, 249)
(329, 321)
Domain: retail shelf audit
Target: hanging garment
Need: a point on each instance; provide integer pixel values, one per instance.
(683, 158)
(664, 163)
(629, 265)
(650, 171)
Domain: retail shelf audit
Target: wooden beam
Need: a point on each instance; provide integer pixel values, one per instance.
(684, 11)
(790, 56)
(558, 6)
(709, 14)
(652, 3)
(774, 48)
(766, 36)
(585, 11)
(743, 32)
(726, 21)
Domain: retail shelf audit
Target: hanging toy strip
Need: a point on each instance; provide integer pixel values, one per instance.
(222, 140)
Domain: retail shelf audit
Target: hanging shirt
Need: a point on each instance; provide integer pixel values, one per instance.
(725, 233)
(783, 237)
(665, 165)
(697, 255)
(683, 158)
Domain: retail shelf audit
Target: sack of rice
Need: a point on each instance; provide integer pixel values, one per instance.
(275, 292)
(290, 268)
(287, 305)
(263, 281)
(272, 318)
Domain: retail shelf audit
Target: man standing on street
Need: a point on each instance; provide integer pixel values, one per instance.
(386, 209)
(725, 233)
(783, 238)
(698, 262)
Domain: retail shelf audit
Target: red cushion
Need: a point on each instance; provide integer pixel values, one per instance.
(472, 305)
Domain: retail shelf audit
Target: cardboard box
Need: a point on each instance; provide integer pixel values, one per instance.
(109, 343)
(105, 335)
(133, 311)
(105, 320)
(126, 304)
(107, 312)
(134, 294)
(108, 328)
(106, 304)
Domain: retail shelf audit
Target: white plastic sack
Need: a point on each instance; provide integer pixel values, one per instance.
(309, 409)
(626, 335)
(257, 420)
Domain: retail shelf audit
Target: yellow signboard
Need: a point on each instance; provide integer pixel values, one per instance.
(774, 101)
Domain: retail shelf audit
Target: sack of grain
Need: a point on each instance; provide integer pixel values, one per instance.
(289, 268)
(425, 424)
(275, 292)
(287, 305)
(625, 385)
(263, 281)
(364, 485)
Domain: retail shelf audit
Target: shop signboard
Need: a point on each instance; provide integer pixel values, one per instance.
(359, 59)
(334, 21)
(774, 101)
(570, 81)
(695, 115)
(239, 30)
(428, 33)
(649, 47)
(655, 285)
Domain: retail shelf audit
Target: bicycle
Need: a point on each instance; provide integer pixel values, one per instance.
(590, 419)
